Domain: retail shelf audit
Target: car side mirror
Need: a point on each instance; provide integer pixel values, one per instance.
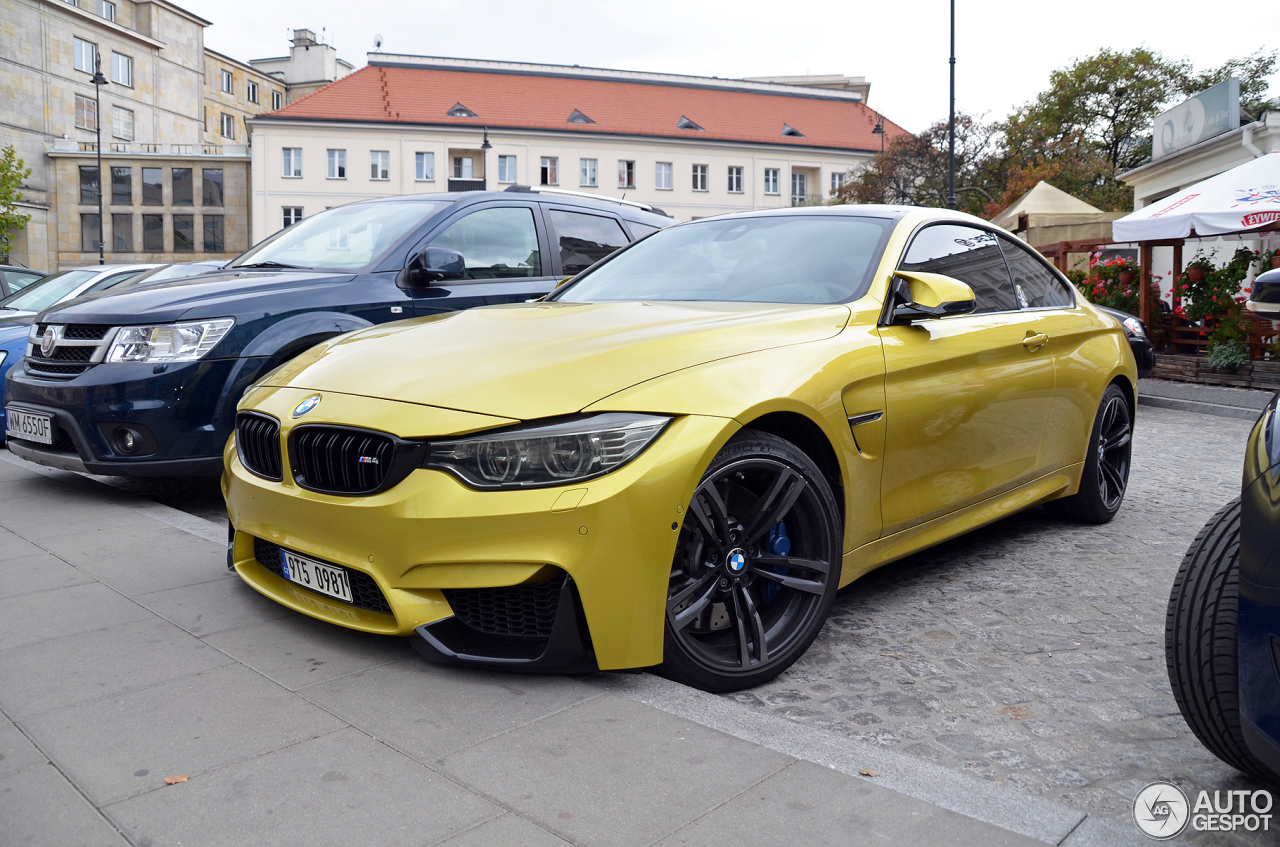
(433, 264)
(916, 295)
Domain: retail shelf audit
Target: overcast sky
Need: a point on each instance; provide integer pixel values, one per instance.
(1004, 50)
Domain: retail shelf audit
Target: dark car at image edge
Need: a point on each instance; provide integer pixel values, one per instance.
(145, 382)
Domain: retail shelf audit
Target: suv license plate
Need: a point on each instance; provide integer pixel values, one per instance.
(29, 427)
(315, 575)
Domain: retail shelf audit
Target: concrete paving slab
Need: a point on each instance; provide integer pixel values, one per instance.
(508, 829)
(37, 572)
(107, 662)
(816, 806)
(427, 711)
(209, 607)
(13, 546)
(125, 745)
(39, 807)
(344, 788)
(42, 521)
(297, 651)
(140, 560)
(29, 618)
(14, 469)
(612, 771)
(16, 751)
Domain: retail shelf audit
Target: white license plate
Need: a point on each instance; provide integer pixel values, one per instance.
(316, 575)
(28, 426)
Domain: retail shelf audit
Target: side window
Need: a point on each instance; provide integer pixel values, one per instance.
(641, 230)
(970, 255)
(114, 279)
(495, 243)
(1034, 285)
(585, 239)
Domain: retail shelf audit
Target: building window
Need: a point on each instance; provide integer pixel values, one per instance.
(122, 69)
(107, 10)
(699, 177)
(211, 189)
(224, 81)
(121, 123)
(184, 230)
(292, 214)
(183, 190)
(90, 233)
(122, 233)
(506, 169)
(799, 188)
(549, 170)
(292, 158)
(152, 189)
(277, 100)
(89, 186)
(251, 91)
(337, 163)
(227, 126)
(662, 176)
(121, 188)
(214, 240)
(86, 113)
(83, 55)
(153, 232)
(626, 173)
(837, 181)
(771, 181)
(379, 164)
(424, 166)
(587, 173)
(462, 167)
(735, 179)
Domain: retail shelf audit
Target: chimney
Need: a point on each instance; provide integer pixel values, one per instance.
(304, 38)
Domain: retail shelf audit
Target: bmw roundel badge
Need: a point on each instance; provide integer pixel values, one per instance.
(306, 405)
(737, 561)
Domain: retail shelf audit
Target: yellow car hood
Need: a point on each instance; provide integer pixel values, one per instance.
(535, 360)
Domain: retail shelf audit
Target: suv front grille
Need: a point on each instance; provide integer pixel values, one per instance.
(365, 593)
(55, 368)
(523, 610)
(258, 444)
(340, 460)
(77, 347)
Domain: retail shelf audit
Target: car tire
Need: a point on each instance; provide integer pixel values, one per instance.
(1201, 646)
(1105, 477)
(733, 624)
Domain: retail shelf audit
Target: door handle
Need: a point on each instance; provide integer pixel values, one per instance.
(1035, 342)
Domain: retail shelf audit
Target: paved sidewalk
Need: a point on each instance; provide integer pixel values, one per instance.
(128, 654)
(1242, 403)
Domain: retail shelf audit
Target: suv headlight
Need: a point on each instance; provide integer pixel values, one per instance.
(184, 342)
(546, 454)
(1134, 327)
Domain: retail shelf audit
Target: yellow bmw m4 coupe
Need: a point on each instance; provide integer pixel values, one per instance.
(678, 457)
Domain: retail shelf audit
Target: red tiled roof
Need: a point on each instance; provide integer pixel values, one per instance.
(524, 101)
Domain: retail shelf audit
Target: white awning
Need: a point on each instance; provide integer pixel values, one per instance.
(1243, 198)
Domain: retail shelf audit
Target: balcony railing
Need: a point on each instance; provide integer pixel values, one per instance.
(806, 199)
(456, 184)
(66, 145)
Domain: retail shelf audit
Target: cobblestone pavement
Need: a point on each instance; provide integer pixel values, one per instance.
(1032, 652)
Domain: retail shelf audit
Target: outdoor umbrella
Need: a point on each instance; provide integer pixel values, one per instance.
(1244, 198)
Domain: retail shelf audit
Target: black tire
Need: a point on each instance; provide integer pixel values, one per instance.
(732, 624)
(1200, 638)
(1106, 466)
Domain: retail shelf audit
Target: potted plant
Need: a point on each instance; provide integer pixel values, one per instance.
(1270, 259)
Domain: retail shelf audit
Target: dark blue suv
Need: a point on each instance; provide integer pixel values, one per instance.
(145, 382)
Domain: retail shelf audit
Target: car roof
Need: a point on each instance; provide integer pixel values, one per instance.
(108, 269)
(624, 210)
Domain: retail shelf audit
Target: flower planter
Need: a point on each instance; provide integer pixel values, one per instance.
(1125, 277)
(1195, 274)
(1275, 261)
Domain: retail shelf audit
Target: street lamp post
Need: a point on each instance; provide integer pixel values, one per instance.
(485, 147)
(98, 81)
(951, 152)
(878, 129)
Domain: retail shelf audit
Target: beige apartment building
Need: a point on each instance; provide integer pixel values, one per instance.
(692, 146)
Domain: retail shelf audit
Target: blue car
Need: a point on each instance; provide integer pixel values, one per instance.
(13, 344)
(1222, 635)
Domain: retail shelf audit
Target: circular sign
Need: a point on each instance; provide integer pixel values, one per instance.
(306, 405)
(1161, 810)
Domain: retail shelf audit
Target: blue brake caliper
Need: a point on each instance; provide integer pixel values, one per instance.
(780, 545)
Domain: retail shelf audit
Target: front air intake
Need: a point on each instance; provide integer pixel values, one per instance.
(258, 443)
(341, 459)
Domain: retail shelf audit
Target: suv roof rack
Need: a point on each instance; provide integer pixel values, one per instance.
(542, 189)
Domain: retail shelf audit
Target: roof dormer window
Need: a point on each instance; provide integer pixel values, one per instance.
(579, 118)
(685, 123)
(791, 132)
(460, 111)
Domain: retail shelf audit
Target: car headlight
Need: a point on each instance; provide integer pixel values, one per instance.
(546, 454)
(1133, 326)
(184, 342)
(3, 354)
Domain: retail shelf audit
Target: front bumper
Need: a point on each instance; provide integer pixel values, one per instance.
(614, 537)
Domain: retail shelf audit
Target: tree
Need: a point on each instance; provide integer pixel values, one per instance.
(12, 175)
(1254, 73)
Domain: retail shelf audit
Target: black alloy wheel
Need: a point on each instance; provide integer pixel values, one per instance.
(756, 567)
(1106, 468)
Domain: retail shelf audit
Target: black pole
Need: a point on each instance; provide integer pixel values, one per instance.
(951, 153)
(98, 81)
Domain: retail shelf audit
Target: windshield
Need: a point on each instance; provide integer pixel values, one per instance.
(52, 289)
(766, 259)
(348, 238)
(180, 271)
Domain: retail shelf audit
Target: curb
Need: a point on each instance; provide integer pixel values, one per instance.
(1215, 409)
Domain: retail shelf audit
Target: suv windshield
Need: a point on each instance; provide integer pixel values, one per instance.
(764, 259)
(348, 238)
(52, 289)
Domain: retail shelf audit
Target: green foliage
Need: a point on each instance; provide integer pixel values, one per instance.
(1227, 355)
(1254, 73)
(12, 174)
(1114, 283)
(1218, 293)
